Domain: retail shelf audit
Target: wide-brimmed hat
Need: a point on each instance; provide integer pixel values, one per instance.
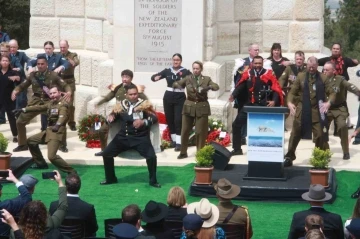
(208, 212)
(226, 190)
(354, 227)
(154, 212)
(316, 194)
(125, 231)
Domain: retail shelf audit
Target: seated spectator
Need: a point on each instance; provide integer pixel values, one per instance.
(176, 203)
(192, 224)
(26, 187)
(354, 228)
(314, 222)
(34, 221)
(78, 208)
(9, 219)
(131, 214)
(314, 234)
(230, 213)
(355, 214)
(209, 213)
(126, 231)
(154, 215)
(316, 197)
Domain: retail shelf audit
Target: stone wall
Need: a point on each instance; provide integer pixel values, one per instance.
(231, 25)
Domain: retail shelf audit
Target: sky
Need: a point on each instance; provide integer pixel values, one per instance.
(273, 122)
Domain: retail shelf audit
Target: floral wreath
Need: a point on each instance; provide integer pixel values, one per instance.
(87, 132)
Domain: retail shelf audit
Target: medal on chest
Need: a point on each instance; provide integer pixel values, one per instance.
(54, 111)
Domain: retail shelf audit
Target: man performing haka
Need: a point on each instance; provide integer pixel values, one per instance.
(40, 80)
(262, 89)
(57, 112)
(136, 116)
(310, 88)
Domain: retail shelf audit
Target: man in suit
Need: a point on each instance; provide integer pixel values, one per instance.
(132, 214)
(26, 187)
(136, 116)
(262, 89)
(230, 213)
(242, 65)
(332, 222)
(77, 208)
(21, 100)
(196, 108)
(310, 89)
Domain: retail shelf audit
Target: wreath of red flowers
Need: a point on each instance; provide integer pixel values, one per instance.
(214, 136)
(161, 118)
(87, 132)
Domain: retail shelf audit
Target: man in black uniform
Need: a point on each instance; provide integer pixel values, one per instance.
(136, 116)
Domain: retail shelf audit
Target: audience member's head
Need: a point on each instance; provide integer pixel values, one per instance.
(154, 212)
(176, 197)
(132, 214)
(73, 183)
(192, 224)
(316, 195)
(225, 190)
(314, 221)
(208, 212)
(29, 182)
(315, 234)
(356, 211)
(354, 228)
(275, 51)
(125, 231)
(33, 219)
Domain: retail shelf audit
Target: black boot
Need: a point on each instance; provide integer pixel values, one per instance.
(356, 194)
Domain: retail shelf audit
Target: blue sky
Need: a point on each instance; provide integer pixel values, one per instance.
(272, 122)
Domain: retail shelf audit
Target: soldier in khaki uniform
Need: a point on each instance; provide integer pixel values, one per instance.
(196, 107)
(68, 76)
(57, 111)
(311, 88)
(40, 81)
(338, 110)
(119, 93)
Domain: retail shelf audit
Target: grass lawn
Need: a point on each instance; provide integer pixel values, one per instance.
(269, 219)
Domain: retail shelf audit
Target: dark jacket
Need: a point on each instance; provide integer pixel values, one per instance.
(176, 213)
(4, 37)
(170, 76)
(158, 230)
(14, 207)
(22, 58)
(54, 61)
(7, 86)
(80, 209)
(332, 223)
(347, 62)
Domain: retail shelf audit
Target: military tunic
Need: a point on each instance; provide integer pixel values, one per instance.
(57, 112)
(68, 76)
(196, 109)
(296, 92)
(39, 97)
(119, 93)
(338, 110)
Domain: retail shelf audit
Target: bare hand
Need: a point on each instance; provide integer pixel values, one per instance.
(31, 69)
(14, 78)
(11, 177)
(71, 61)
(292, 108)
(57, 177)
(110, 118)
(156, 78)
(324, 107)
(231, 98)
(270, 103)
(138, 123)
(140, 88)
(355, 61)
(286, 63)
(58, 70)
(352, 136)
(16, 69)
(9, 219)
(13, 95)
(66, 96)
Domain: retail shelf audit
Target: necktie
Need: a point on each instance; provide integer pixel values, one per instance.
(299, 69)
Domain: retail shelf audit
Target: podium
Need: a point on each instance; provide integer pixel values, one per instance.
(265, 129)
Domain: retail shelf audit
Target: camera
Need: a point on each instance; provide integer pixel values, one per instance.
(48, 175)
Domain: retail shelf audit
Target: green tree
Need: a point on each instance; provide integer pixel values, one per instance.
(15, 20)
(345, 29)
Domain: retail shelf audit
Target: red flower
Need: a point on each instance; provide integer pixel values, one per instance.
(166, 135)
(161, 117)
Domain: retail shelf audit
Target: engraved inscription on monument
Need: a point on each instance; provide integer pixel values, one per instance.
(157, 33)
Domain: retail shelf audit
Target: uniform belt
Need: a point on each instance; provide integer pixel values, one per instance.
(51, 124)
(174, 90)
(196, 100)
(67, 77)
(41, 95)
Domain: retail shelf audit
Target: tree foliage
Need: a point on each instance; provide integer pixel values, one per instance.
(345, 29)
(15, 20)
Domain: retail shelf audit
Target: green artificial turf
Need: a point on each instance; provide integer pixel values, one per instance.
(269, 219)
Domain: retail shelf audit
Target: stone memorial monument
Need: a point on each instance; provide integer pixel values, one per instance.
(142, 35)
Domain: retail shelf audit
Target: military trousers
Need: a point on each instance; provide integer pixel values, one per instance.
(295, 137)
(123, 143)
(71, 121)
(52, 147)
(340, 116)
(238, 128)
(103, 135)
(201, 131)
